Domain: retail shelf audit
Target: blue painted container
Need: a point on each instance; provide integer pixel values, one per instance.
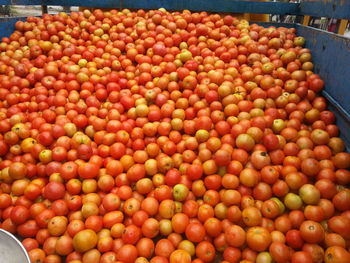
(331, 52)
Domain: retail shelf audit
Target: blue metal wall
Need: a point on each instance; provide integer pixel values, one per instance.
(333, 8)
(331, 57)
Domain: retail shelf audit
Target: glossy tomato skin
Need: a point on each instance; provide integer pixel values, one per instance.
(195, 232)
(194, 172)
(205, 251)
(340, 200)
(88, 170)
(127, 253)
(172, 177)
(30, 243)
(294, 239)
(279, 252)
(54, 191)
(235, 236)
(258, 238)
(336, 254)
(131, 234)
(28, 229)
(156, 136)
(338, 225)
(316, 252)
(19, 214)
(311, 232)
(301, 256)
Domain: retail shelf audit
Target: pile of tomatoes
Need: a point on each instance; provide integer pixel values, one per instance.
(150, 136)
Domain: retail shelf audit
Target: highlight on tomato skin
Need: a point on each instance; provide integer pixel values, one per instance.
(157, 136)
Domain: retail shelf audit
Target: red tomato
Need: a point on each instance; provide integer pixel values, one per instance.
(54, 191)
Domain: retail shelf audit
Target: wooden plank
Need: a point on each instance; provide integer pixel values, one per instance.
(306, 20)
(342, 26)
(44, 9)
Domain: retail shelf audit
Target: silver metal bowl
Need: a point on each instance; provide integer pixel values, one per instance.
(11, 249)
